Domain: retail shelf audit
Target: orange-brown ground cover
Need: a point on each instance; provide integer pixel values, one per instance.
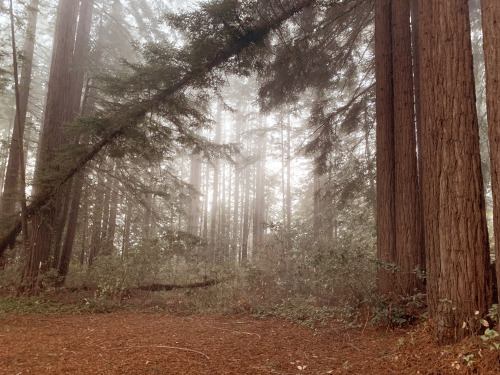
(155, 343)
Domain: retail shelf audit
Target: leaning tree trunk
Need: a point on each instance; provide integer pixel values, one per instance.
(491, 44)
(386, 227)
(407, 196)
(456, 236)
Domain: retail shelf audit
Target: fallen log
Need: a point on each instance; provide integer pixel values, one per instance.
(161, 287)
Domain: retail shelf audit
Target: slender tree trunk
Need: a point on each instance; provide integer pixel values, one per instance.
(246, 216)
(491, 44)
(113, 211)
(456, 236)
(205, 210)
(288, 178)
(407, 196)
(9, 197)
(215, 186)
(85, 224)
(105, 218)
(194, 209)
(236, 204)
(126, 229)
(386, 226)
(95, 242)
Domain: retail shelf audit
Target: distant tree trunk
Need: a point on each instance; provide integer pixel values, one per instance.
(288, 177)
(491, 44)
(126, 229)
(57, 112)
(246, 215)
(205, 207)
(10, 197)
(85, 224)
(317, 219)
(194, 208)
(113, 210)
(258, 215)
(223, 234)
(95, 241)
(236, 204)
(407, 196)
(456, 236)
(386, 227)
(215, 186)
(105, 218)
(369, 162)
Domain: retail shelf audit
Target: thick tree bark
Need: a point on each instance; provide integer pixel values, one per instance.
(456, 236)
(418, 121)
(386, 226)
(57, 112)
(407, 196)
(491, 44)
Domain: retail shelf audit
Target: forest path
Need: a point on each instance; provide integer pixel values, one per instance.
(140, 343)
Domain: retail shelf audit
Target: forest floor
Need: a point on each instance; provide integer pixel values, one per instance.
(135, 342)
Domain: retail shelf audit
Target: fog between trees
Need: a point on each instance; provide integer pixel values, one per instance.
(313, 150)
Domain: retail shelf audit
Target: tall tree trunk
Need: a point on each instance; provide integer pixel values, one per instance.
(10, 197)
(205, 203)
(113, 211)
(258, 214)
(288, 178)
(386, 226)
(236, 204)
(95, 242)
(85, 224)
(57, 112)
(407, 198)
(246, 216)
(126, 228)
(194, 208)
(418, 111)
(215, 186)
(456, 236)
(491, 44)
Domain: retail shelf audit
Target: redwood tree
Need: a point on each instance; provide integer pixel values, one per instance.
(491, 45)
(407, 197)
(456, 236)
(386, 226)
(58, 111)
